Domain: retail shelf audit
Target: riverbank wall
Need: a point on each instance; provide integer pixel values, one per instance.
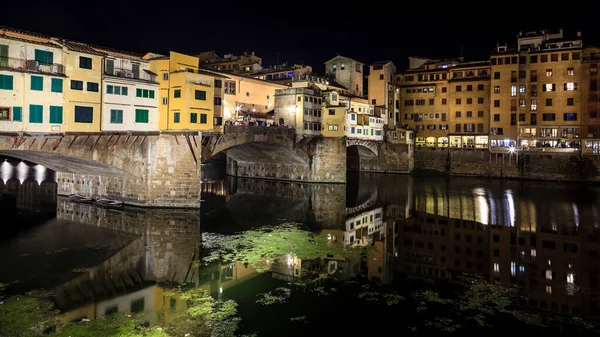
(550, 166)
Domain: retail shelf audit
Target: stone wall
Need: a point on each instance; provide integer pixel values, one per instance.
(167, 240)
(392, 158)
(327, 159)
(161, 170)
(533, 165)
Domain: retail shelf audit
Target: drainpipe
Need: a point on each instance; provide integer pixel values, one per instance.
(101, 91)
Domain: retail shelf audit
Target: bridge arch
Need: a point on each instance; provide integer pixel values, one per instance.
(234, 136)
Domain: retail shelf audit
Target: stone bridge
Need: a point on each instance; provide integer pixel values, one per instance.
(142, 169)
(372, 145)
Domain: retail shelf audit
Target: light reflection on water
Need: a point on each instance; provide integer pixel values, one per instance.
(431, 229)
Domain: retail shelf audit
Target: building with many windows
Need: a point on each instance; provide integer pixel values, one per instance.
(130, 92)
(186, 93)
(82, 96)
(32, 83)
(283, 73)
(536, 100)
(300, 108)
(590, 102)
(469, 85)
(383, 92)
(247, 63)
(425, 96)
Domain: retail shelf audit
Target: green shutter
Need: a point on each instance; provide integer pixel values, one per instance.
(56, 114)
(37, 83)
(36, 113)
(202, 118)
(56, 85)
(138, 92)
(17, 114)
(193, 117)
(109, 89)
(145, 93)
(3, 56)
(177, 93)
(176, 117)
(124, 91)
(116, 116)
(117, 90)
(45, 57)
(151, 93)
(110, 67)
(141, 116)
(6, 82)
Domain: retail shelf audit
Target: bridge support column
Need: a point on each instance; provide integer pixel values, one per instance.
(327, 160)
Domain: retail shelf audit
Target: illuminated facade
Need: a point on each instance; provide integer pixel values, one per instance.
(536, 93)
(590, 102)
(247, 63)
(283, 74)
(300, 108)
(347, 72)
(32, 83)
(383, 92)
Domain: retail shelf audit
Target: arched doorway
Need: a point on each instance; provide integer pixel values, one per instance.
(281, 121)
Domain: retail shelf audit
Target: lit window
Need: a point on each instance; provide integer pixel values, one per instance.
(513, 90)
(549, 289)
(522, 88)
(570, 86)
(549, 274)
(533, 252)
(513, 268)
(521, 269)
(496, 267)
(570, 278)
(548, 72)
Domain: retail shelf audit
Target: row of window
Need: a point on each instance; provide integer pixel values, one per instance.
(116, 116)
(533, 105)
(419, 117)
(365, 131)
(308, 99)
(198, 94)
(83, 114)
(432, 127)
(554, 57)
(193, 118)
(36, 83)
(78, 85)
(431, 101)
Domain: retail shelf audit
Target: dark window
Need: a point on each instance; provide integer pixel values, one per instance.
(91, 86)
(84, 114)
(496, 103)
(497, 75)
(76, 85)
(200, 95)
(85, 62)
(480, 87)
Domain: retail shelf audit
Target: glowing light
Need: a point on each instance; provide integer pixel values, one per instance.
(570, 278)
(511, 149)
(549, 289)
(510, 205)
(22, 169)
(576, 215)
(220, 290)
(40, 173)
(483, 213)
(5, 171)
(513, 268)
(549, 274)
(290, 260)
(238, 108)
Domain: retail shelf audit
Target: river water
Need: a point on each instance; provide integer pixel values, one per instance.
(412, 254)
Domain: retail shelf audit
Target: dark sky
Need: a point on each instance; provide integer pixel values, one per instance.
(298, 31)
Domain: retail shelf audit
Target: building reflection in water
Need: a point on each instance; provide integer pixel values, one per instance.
(542, 237)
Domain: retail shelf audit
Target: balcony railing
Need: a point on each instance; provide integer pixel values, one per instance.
(31, 66)
(128, 73)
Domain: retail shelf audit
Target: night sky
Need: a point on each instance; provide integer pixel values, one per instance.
(296, 31)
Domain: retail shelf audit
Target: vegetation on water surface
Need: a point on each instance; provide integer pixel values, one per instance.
(269, 243)
(34, 315)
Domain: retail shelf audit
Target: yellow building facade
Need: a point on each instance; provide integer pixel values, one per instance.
(82, 94)
(333, 115)
(535, 95)
(186, 94)
(469, 85)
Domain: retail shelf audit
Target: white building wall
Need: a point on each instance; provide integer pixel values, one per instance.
(26, 51)
(128, 103)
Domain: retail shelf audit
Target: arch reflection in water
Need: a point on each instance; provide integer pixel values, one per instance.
(32, 188)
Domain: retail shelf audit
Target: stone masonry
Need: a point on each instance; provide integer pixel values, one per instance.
(143, 170)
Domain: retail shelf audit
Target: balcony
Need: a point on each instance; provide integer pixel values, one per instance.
(31, 66)
(128, 73)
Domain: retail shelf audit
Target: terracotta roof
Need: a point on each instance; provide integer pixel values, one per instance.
(209, 73)
(49, 44)
(116, 51)
(225, 74)
(80, 47)
(20, 31)
(150, 72)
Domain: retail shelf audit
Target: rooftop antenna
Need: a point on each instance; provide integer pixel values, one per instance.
(461, 57)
